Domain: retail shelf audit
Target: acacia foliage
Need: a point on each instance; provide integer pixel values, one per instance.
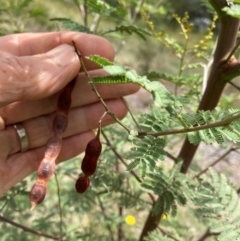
(144, 148)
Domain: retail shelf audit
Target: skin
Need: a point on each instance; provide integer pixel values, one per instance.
(34, 67)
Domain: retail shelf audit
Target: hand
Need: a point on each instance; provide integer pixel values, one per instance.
(33, 70)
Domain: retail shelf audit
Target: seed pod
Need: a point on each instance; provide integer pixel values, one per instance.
(53, 146)
(92, 153)
(37, 193)
(82, 184)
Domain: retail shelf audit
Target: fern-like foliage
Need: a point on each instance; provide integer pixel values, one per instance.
(70, 24)
(168, 110)
(160, 120)
(171, 189)
(146, 153)
(156, 235)
(122, 75)
(233, 10)
(129, 29)
(218, 201)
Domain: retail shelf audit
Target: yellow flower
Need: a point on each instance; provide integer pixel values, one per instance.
(130, 220)
(164, 216)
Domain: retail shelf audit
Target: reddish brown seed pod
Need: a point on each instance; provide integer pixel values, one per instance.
(92, 153)
(53, 147)
(82, 184)
(37, 193)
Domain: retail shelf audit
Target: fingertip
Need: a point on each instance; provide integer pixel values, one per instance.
(89, 44)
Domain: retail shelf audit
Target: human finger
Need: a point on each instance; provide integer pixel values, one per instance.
(27, 44)
(39, 129)
(82, 95)
(38, 76)
(23, 164)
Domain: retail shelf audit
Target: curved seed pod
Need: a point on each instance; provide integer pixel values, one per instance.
(82, 184)
(53, 147)
(92, 153)
(37, 193)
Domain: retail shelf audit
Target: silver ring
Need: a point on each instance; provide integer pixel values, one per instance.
(22, 135)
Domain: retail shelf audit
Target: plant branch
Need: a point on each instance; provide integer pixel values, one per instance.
(137, 10)
(206, 235)
(167, 234)
(216, 81)
(84, 12)
(94, 89)
(120, 226)
(111, 236)
(216, 124)
(226, 42)
(151, 224)
(233, 148)
(27, 229)
(233, 51)
(131, 114)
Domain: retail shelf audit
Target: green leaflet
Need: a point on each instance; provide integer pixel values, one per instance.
(233, 10)
(156, 235)
(69, 24)
(218, 200)
(129, 29)
(170, 188)
(145, 153)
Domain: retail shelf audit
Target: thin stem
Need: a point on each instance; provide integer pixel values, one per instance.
(171, 157)
(97, 19)
(105, 217)
(234, 85)
(59, 207)
(233, 51)
(206, 235)
(131, 114)
(125, 164)
(120, 228)
(233, 148)
(94, 89)
(27, 229)
(120, 234)
(137, 10)
(216, 124)
(167, 234)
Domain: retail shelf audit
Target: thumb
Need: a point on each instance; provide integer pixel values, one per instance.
(38, 76)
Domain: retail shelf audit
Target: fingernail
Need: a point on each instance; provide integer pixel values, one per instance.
(62, 55)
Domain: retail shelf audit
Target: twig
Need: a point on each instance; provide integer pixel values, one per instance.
(233, 148)
(224, 122)
(105, 217)
(84, 12)
(27, 229)
(137, 10)
(234, 85)
(167, 234)
(120, 210)
(131, 114)
(94, 89)
(232, 52)
(59, 206)
(171, 157)
(125, 164)
(97, 19)
(120, 228)
(206, 235)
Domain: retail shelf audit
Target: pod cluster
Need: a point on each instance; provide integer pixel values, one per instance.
(89, 162)
(53, 147)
